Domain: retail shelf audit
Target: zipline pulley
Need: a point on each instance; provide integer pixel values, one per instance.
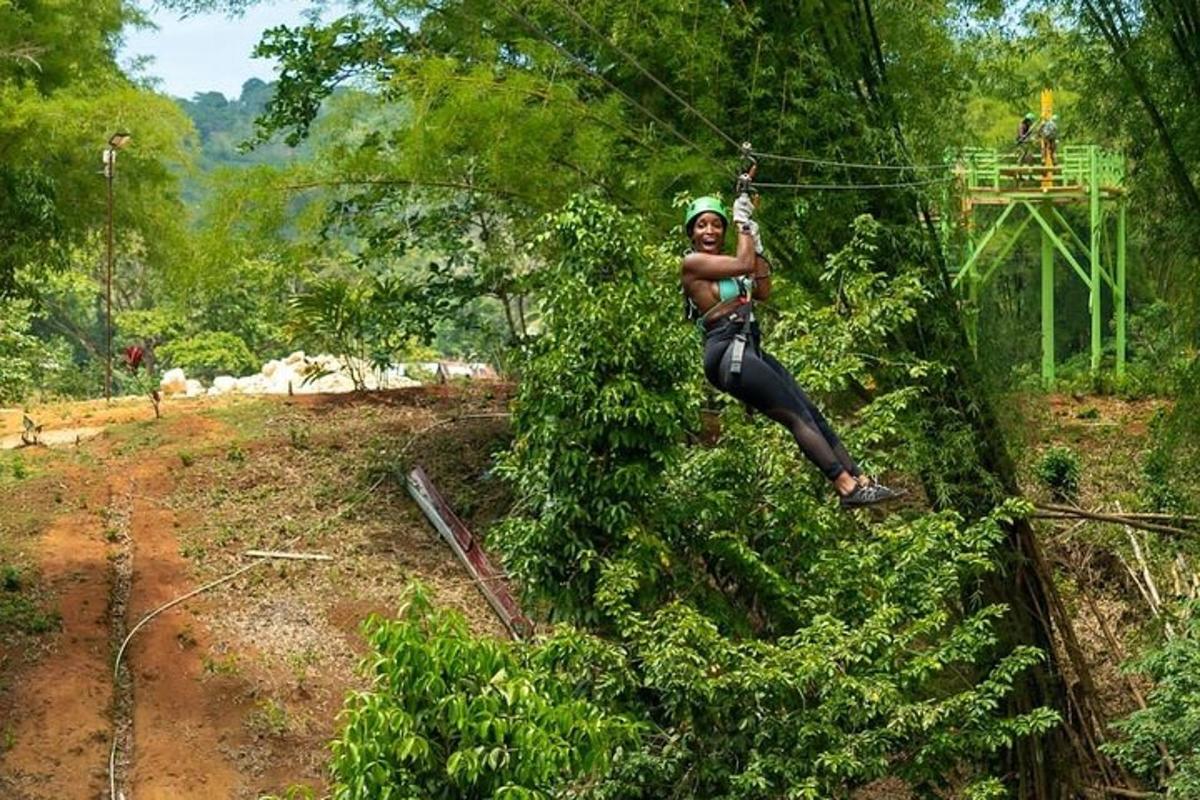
(747, 170)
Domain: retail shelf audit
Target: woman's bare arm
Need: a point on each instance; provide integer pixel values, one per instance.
(708, 266)
(762, 278)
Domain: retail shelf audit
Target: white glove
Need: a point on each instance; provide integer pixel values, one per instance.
(743, 209)
(758, 247)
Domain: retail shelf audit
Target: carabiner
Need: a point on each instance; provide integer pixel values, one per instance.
(747, 170)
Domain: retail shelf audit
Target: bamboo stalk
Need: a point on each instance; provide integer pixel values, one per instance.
(292, 556)
(1138, 583)
(1066, 512)
(1117, 791)
(1149, 516)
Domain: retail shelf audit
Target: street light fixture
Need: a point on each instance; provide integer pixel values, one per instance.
(116, 142)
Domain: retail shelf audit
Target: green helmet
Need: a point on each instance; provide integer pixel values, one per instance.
(699, 206)
(1030, 117)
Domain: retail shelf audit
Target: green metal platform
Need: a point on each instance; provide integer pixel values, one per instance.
(1026, 195)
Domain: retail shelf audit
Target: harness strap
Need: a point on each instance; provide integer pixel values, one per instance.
(738, 351)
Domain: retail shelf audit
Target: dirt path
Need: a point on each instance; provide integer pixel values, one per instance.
(234, 694)
(179, 728)
(60, 742)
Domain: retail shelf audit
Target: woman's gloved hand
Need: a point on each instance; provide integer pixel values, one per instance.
(743, 209)
(743, 216)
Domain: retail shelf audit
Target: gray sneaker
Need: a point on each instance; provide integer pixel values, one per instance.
(869, 495)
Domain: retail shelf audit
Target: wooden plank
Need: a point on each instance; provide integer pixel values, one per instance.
(492, 583)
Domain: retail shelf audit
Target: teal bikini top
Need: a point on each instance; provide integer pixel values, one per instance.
(729, 288)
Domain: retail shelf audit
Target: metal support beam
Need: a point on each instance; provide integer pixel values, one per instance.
(1119, 292)
(1083, 247)
(1047, 310)
(1084, 174)
(1061, 220)
(1058, 243)
(998, 261)
(1094, 228)
(983, 243)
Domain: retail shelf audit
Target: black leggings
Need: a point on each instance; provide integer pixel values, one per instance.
(768, 387)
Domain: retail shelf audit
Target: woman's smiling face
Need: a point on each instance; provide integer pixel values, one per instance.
(708, 233)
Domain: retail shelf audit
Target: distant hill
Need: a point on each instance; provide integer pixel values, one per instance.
(225, 125)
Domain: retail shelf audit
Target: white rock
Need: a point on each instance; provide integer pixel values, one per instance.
(271, 367)
(194, 387)
(252, 384)
(295, 358)
(335, 383)
(174, 381)
(223, 383)
(278, 379)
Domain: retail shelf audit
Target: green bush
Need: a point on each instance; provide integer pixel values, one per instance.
(1171, 719)
(450, 715)
(1174, 448)
(21, 354)
(758, 643)
(208, 354)
(607, 393)
(1058, 471)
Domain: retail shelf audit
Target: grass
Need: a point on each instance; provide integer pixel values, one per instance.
(135, 436)
(16, 468)
(250, 418)
(269, 718)
(227, 664)
(21, 610)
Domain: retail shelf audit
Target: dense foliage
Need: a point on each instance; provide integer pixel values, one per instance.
(497, 178)
(1164, 738)
(451, 716)
(763, 643)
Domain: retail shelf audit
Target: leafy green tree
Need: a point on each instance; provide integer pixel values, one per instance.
(474, 99)
(606, 395)
(452, 716)
(758, 643)
(21, 354)
(210, 353)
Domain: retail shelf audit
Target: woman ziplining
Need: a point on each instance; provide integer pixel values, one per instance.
(720, 291)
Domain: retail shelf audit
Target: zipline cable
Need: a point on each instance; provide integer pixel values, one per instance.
(847, 164)
(826, 187)
(720, 132)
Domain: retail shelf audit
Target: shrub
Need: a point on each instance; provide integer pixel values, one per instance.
(1058, 471)
(450, 715)
(1170, 719)
(369, 323)
(758, 642)
(208, 354)
(607, 392)
(1175, 447)
(21, 354)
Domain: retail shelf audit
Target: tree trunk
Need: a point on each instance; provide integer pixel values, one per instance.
(959, 409)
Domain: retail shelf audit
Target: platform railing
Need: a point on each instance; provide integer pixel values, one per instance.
(996, 170)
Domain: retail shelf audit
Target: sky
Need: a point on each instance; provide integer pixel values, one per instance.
(209, 52)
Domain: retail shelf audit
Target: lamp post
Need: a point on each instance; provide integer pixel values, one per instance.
(109, 158)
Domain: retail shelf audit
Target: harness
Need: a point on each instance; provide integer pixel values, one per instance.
(741, 288)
